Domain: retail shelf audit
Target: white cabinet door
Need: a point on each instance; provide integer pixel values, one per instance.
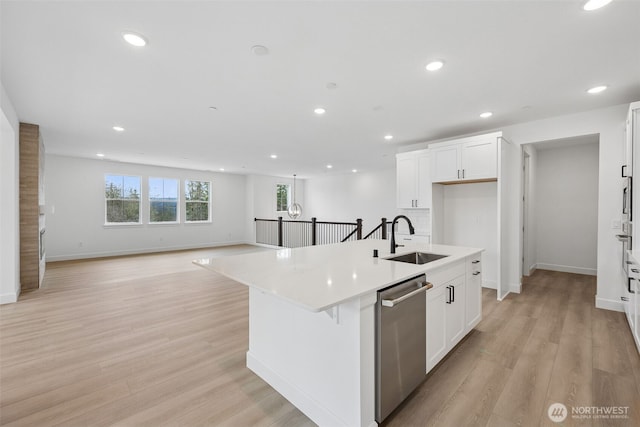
(444, 164)
(455, 320)
(406, 177)
(436, 333)
(423, 198)
(474, 292)
(479, 159)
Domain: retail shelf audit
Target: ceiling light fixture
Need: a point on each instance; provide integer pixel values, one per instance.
(486, 114)
(319, 111)
(295, 209)
(597, 89)
(388, 137)
(118, 128)
(354, 170)
(100, 154)
(434, 65)
(329, 166)
(221, 169)
(259, 50)
(134, 39)
(595, 4)
(274, 156)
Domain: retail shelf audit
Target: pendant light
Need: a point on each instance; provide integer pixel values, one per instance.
(295, 210)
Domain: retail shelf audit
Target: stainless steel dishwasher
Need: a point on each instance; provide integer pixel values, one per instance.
(401, 359)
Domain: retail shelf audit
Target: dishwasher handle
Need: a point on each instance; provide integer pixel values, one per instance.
(393, 302)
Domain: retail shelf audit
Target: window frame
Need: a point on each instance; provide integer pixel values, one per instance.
(178, 198)
(208, 202)
(286, 209)
(127, 223)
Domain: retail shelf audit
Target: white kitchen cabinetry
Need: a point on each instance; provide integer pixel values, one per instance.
(413, 180)
(454, 307)
(455, 324)
(412, 238)
(473, 313)
(467, 159)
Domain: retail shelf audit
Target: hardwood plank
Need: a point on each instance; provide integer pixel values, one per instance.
(154, 340)
(524, 395)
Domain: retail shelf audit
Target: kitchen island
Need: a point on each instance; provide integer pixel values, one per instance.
(312, 318)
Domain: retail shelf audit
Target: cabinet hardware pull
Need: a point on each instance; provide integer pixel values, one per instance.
(476, 273)
(462, 173)
(449, 300)
(622, 172)
(458, 173)
(624, 298)
(453, 291)
(629, 285)
(475, 261)
(635, 270)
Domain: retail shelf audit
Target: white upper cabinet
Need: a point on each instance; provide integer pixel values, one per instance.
(413, 180)
(467, 159)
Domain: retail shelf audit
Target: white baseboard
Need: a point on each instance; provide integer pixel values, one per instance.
(532, 269)
(491, 284)
(568, 269)
(609, 304)
(85, 255)
(8, 298)
(515, 288)
(297, 397)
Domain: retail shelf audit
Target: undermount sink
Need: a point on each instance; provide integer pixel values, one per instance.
(417, 257)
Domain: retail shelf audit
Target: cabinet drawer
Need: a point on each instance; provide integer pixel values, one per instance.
(440, 277)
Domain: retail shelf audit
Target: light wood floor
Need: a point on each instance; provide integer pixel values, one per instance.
(154, 340)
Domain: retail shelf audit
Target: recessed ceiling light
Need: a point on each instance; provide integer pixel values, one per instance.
(434, 66)
(221, 169)
(329, 166)
(597, 89)
(388, 137)
(274, 156)
(595, 4)
(100, 154)
(118, 128)
(354, 170)
(319, 111)
(134, 39)
(486, 114)
(259, 50)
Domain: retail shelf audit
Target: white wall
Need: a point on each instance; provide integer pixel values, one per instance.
(531, 247)
(567, 208)
(75, 211)
(9, 194)
(367, 195)
(470, 213)
(608, 123)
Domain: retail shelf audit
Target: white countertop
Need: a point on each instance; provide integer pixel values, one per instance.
(320, 277)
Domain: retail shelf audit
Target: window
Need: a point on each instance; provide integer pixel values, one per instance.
(163, 200)
(282, 197)
(122, 199)
(196, 194)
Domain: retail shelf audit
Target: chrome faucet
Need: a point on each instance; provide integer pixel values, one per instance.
(393, 231)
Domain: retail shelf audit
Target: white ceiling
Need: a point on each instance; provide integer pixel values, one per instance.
(66, 68)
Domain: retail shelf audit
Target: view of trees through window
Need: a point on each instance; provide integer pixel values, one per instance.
(196, 194)
(122, 199)
(282, 197)
(163, 200)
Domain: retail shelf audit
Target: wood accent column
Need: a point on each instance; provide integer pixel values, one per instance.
(29, 206)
